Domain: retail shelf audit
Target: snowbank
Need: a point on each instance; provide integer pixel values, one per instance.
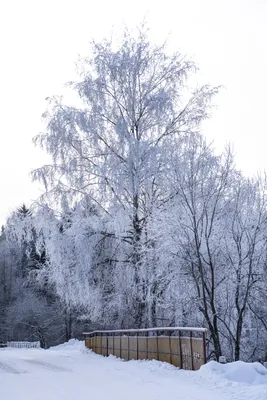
(72, 344)
(238, 371)
(69, 371)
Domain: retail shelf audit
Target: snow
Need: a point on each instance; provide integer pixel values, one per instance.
(239, 371)
(71, 372)
(72, 344)
(168, 329)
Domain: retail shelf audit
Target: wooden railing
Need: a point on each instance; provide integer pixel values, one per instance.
(24, 345)
(180, 346)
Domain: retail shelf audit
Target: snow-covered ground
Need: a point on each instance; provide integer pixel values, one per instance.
(70, 372)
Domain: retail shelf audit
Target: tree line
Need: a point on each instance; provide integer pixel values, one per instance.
(142, 223)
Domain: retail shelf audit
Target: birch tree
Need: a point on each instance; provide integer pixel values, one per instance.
(111, 149)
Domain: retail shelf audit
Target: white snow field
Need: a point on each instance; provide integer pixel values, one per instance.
(70, 372)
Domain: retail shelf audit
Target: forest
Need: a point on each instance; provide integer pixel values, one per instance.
(142, 223)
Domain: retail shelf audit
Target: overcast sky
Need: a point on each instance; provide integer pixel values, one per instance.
(40, 41)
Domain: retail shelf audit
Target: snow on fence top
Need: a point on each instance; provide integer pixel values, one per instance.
(24, 345)
(169, 329)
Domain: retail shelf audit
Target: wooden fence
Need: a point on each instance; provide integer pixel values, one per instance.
(182, 347)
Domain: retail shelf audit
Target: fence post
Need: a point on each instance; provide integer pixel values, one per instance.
(129, 347)
(137, 347)
(204, 347)
(170, 345)
(157, 339)
(120, 343)
(147, 345)
(191, 351)
(180, 350)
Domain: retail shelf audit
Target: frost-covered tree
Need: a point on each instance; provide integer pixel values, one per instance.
(134, 101)
(8, 258)
(33, 309)
(201, 182)
(245, 255)
(218, 224)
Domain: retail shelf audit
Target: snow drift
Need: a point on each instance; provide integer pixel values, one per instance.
(238, 371)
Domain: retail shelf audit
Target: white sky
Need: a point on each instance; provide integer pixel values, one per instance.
(40, 41)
